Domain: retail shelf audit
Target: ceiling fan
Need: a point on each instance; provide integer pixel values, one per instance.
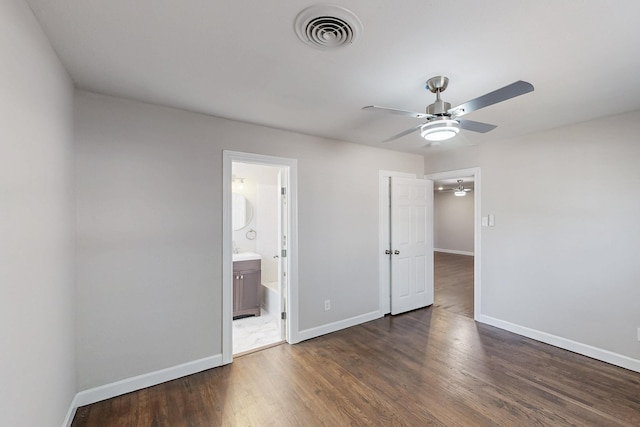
(443, 121)
(459, 190)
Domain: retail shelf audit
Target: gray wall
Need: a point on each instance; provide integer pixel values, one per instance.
(563, 255)
(453, 222)
(37, 378)
(150, 229)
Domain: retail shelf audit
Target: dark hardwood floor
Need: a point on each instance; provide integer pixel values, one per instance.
(453, 283)
(433, 366)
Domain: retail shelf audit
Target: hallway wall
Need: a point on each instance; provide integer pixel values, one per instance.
(453, 222)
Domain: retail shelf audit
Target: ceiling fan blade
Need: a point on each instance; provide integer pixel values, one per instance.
(510, 91)
(476, 126)
(396, 111)
(403, 133)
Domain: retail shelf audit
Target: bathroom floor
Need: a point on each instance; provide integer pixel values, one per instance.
(254, 332)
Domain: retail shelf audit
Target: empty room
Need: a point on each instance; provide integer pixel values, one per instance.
(301, 213)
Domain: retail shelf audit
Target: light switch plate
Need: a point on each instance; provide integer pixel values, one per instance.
(485, 221)
(492, 220)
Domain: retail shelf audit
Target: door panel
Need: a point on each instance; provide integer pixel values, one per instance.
(404, 277)
(402, 235)
(411, 244)
(421, 276)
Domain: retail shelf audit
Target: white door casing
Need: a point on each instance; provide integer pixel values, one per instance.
(283, 248)
(411, 244)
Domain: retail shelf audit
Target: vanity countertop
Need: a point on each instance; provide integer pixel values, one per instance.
(246, 256)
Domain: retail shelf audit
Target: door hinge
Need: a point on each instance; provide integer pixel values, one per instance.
(283, 191)
(283, 315)
(284, 253)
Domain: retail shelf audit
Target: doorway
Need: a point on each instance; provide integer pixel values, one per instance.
(257, 233)
(453, 228)
(259, 252)
(384, 270)
(468, 175)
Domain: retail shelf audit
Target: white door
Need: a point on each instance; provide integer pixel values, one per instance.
(411, 244)
(283, 225)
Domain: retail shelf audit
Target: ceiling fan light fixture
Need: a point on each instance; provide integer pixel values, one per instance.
(460, 190)
(440, 130)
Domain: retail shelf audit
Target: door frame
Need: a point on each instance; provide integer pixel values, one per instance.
(477, 226)
(228, 158)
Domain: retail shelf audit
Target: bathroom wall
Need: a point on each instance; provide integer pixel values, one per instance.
(268, 205)
(260, 189)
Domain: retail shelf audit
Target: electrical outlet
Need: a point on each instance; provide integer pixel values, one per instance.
(327, 305)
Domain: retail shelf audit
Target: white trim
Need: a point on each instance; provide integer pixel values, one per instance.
(71, 413)
(308, 334)
(227, 261)
(453, 251)
(477, 230)
(564, 343)
(228, 157)
(383, 261)
(139, 382)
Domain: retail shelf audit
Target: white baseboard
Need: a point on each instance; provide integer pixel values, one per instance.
(307, 334)
(453, 251)
(139, 382)
(71, 412)
(567, 344)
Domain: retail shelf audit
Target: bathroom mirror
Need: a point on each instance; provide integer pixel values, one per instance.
(242, 211)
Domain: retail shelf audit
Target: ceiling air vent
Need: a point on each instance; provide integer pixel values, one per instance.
(327, 26)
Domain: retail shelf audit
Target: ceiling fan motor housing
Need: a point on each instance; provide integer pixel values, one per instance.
(438, 108)
(437, 85)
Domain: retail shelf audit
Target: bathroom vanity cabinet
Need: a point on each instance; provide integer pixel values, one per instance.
(246, 288)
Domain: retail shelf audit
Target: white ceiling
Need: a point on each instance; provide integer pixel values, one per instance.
(242, 60)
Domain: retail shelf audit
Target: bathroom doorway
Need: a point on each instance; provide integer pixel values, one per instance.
(259, 236)
(256, 200)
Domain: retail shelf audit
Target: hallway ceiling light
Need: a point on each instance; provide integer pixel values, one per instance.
(460, 190)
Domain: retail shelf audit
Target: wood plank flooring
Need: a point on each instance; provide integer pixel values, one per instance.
(453, 282)
(433, 366)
